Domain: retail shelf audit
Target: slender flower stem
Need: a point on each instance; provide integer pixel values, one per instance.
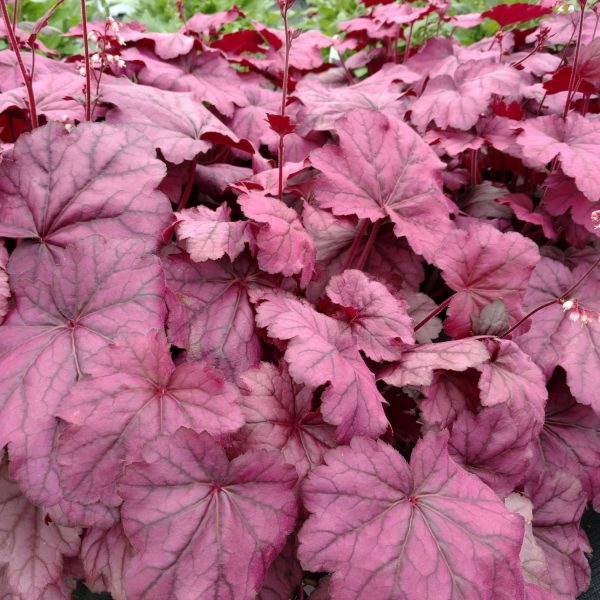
(284, 92)
(24, 74)
(15, 14)
(189, 185)
(560, 300)
(434, 313)
(88, 75)
(355, 244)
(368, 246)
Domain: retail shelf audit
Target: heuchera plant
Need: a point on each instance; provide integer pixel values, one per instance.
(287, 315)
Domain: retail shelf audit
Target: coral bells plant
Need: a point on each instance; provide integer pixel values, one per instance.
(277, 325)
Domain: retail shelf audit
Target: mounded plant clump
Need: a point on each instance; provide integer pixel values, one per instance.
(286, 315)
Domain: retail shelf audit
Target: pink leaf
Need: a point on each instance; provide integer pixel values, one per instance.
(374, 316)
(512, 378)
(284, 246)
(31, 548)
(400, 538)
(178, 126)
(279, 416)
(459, 100)
(324, 106)
(560, 337)
(206, 75)
(111, 193)
(570, 439)
(4, 287)
(101, 291)
(382, 168)
(211, 24)
(533, 559)
(558, 503)
(55, 96)
(134, 394)
(201, 524)
(210, 312)
(574, 141)
(284, 574)
(417, 364)
(320, 351)
(249, 119)
(450, 394)
(210, 234)
(482, 265)
(494, 445)
(105, 554)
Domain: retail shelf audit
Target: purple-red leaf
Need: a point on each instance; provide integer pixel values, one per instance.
(206, 75)
(509, 14)
(61, 188)
(377, 319)
(481, 265)
(393, 530)
(321, 351)
(570, 439)
(203, 525)
(133, 394)
(382, 168)
(284, 574)
(279, 416)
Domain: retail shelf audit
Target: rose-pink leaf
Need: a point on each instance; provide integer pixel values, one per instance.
(105, 554)
(102, 290)
(111, 193)
(320, 351)
(134, 394)
(284, 246)
(558, 503)
(180, 127)
(512, 378)
(382, 168)
(388, 528)
(481, 265)
(375, 316)
(494, 445)
(210, 312)
(560, 337)
(575, 141)
(417, 364)
(210, 234)
(278, 416)
(31, 548)
(202, 525)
